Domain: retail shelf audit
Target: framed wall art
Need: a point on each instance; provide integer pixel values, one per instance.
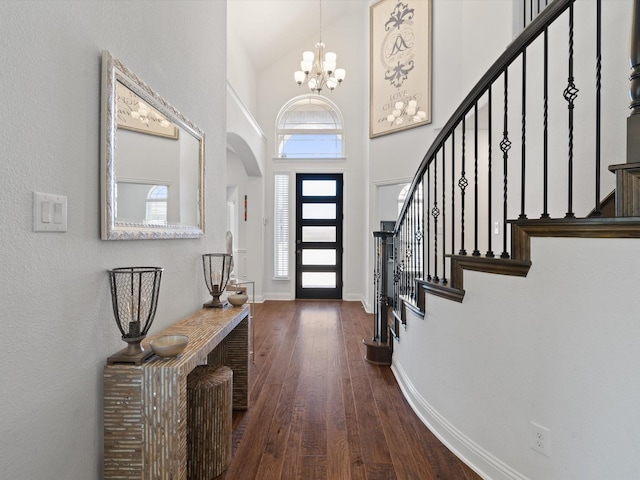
(400, 83)
(136, 115)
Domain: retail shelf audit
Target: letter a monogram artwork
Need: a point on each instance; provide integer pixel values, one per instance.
(400, 65)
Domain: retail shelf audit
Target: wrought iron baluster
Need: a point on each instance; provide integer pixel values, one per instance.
(570, 94)
(420, 234)
(462, 183)
(505, 145)
(476, 252)
(489, 173)
(545, 128)
(444, 217)
(411, 245)
(417, 209)
(524, 136)
(428, 195)
(597, 212)
(435, 212)
(453, 190)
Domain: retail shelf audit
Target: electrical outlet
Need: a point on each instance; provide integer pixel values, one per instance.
(541, 439)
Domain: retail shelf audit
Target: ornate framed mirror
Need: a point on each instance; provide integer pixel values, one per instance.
(152, 162)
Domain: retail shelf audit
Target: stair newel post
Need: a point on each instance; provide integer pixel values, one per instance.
(628, 174)
(378, 351)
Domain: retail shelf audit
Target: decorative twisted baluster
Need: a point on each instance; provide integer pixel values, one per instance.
(489, 176)
(570, 94)
(523, 167)
(453, 190)
(596, 211)
(545, 128)
(505, 145)
(428, 194)
(444, 218)
(435, 212)
(476, 252)
(420, 233)
(462, 184)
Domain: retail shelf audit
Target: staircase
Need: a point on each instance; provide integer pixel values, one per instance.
(520, 158)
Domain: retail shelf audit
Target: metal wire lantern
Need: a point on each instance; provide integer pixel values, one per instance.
(134, 294)
(217, 269)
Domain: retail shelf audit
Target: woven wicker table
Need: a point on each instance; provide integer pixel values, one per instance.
(145, 406)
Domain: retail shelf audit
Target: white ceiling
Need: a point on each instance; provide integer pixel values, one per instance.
(270, 28)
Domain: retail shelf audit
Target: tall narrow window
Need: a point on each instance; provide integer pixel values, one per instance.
(281, 226)
(309, 127)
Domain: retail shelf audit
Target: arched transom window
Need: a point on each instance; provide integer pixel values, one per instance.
(309, 126)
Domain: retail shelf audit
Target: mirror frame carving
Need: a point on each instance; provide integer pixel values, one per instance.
(114, 71)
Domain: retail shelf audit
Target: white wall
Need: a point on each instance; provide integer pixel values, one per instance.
(57, 320)
(558, 347)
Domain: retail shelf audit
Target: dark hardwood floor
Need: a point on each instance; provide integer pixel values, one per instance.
(320, 411)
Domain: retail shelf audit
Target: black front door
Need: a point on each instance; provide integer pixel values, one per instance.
(319, 236)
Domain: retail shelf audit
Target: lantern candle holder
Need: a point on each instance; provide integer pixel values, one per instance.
(134, 294)
(217, 269)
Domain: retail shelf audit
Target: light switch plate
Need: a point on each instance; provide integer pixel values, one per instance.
(49, 212)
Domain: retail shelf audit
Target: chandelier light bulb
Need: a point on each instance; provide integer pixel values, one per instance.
(318, 70)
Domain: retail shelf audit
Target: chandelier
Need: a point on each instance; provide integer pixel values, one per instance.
(319, 71)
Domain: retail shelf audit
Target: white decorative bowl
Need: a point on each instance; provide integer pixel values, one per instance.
(237, 299)
(169, 345)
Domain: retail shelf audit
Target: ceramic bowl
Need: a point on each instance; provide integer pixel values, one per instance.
(237, 299)
(169, 345)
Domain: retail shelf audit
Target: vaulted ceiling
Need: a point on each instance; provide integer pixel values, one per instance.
(269, 28)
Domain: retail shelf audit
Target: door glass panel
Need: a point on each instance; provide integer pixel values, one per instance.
(315, 256)
(318, 279)
(318, 188)
(312, 211)
(318, 234)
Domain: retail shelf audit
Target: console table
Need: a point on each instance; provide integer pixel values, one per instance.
(145, 406)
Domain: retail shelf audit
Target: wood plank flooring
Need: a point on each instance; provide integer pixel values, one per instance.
(320, 411)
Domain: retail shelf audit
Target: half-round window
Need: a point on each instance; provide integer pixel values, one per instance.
(309, 126)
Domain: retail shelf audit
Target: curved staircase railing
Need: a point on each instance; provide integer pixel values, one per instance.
(514, 153)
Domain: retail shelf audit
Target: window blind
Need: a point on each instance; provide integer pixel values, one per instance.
(281, 226)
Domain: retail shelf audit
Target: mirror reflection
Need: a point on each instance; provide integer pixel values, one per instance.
(153, 163)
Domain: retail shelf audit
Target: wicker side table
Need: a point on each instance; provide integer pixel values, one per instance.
(209, 424)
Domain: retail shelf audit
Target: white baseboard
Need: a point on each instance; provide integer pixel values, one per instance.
(476, 457)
